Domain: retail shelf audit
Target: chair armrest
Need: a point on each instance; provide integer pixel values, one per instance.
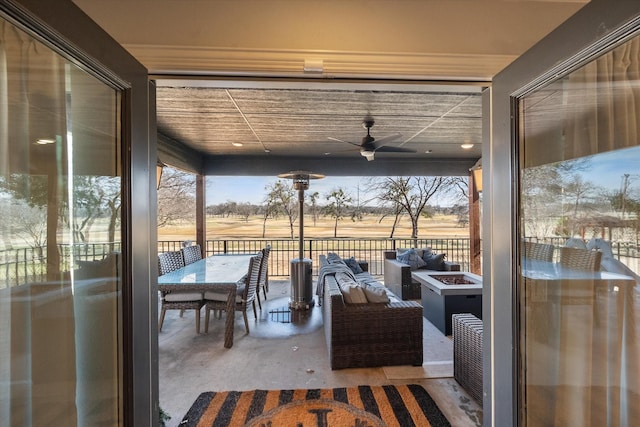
(396, 271)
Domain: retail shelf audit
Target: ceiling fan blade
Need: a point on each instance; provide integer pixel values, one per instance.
(341, 140)
(387, 139)
(391, 149)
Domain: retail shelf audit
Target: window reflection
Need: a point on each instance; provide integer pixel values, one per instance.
(60, 263)
(579, 225)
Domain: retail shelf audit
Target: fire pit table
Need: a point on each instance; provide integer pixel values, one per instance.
(447, 292)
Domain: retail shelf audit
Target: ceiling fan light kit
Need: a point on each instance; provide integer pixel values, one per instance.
(369, 155)
(369, 146)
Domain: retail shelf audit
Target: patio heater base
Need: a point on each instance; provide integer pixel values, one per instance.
(301, 285)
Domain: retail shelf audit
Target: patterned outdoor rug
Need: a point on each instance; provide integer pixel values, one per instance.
(362, 406)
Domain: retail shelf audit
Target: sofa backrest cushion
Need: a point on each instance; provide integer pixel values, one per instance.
(411, 258)
(353, 293)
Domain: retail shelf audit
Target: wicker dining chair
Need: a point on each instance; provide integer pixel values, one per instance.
(538, 251)
(264, 275)
(169, 261)
(176, 300)
(246, 295)
(580, 259)
(191, 254)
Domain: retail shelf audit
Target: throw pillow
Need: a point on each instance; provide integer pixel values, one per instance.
(376, 294)
(426, 253)
(411, 257)
(353, 294)
(435, 262)
(353, 265)
(403, 251)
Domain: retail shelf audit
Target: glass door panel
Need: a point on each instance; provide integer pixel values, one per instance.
(60, 204)
(579, 222)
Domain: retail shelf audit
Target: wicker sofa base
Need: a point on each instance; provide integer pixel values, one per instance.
(370, 335)
(467, 353)
(364, 336)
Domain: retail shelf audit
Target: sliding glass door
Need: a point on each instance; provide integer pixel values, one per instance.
(60, 201)
(68, 143)
(579, 201)
(563, 278)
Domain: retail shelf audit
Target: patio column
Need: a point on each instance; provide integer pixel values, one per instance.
(201, 215)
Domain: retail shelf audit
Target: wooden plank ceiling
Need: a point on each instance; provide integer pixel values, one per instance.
(300, 122)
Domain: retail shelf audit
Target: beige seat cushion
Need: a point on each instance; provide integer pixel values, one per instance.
(182, 296)
(222, 296)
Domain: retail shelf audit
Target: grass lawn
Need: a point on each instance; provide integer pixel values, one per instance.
(368, 227)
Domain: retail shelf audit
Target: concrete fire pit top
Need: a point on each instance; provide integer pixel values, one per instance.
(430, 280)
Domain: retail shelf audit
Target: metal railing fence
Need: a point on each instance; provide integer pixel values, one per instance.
(24, 265)
(28, 265)
(363, 249)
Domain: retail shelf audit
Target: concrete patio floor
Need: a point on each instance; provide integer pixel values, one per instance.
(277, 355)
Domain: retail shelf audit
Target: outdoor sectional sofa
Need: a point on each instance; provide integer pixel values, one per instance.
(367, 334)
(397, 274)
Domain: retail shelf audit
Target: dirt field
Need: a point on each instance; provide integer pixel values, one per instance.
(234, 227)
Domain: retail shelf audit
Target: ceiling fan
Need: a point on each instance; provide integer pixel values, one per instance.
(369, 145)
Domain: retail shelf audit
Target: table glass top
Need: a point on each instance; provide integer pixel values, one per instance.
(217, 269)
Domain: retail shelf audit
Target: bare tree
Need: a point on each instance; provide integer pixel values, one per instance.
(95, 197)
(30, 222)
(412, 194)
(282, 197)
(245, 210)
(313, 200)
(176, 196)
(270, 209)
(541, 200)
(337, 207)
(461, 184)
(580, 191)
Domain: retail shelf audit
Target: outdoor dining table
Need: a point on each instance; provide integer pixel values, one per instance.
(214, 273)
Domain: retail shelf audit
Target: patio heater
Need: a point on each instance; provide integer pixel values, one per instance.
(301, 267)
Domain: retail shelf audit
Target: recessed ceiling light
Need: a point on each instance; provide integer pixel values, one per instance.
(237, 144)
(45, 141)
(466, 146)
(266, 150)
(428, 151)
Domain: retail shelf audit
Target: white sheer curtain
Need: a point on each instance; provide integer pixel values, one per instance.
(603, 100)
